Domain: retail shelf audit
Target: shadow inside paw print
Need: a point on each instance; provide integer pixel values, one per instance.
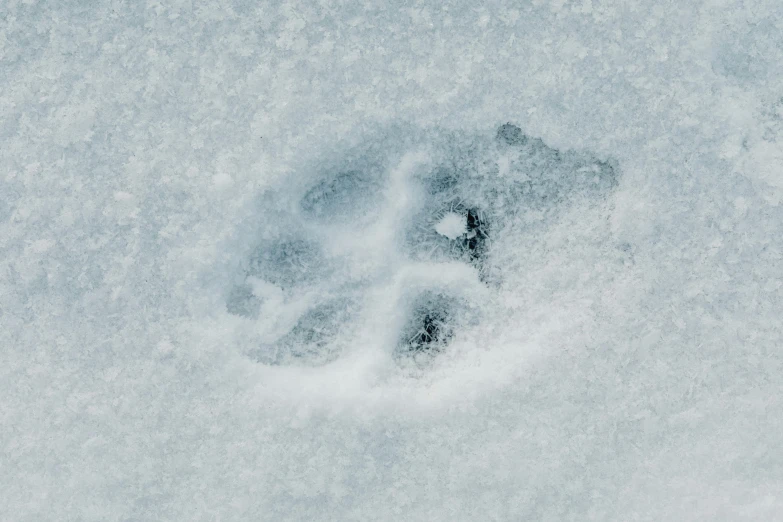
(311, 339)
(475, 239)
(342, 196)
(287, 262)
(429, 327)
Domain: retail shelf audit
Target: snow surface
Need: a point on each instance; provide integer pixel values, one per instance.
(217, 230)
(451, 225)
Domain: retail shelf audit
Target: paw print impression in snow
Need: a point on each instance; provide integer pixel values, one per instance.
(382, 236)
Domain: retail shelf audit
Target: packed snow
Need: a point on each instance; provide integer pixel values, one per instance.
(451, 225)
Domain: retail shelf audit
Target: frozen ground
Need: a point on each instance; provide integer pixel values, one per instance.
(265, 261)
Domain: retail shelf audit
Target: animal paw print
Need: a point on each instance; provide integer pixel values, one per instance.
(309, 290)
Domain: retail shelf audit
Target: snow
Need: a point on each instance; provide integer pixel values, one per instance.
(451, 225)
(222, 222)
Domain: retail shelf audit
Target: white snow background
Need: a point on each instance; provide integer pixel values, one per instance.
(625, 365)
